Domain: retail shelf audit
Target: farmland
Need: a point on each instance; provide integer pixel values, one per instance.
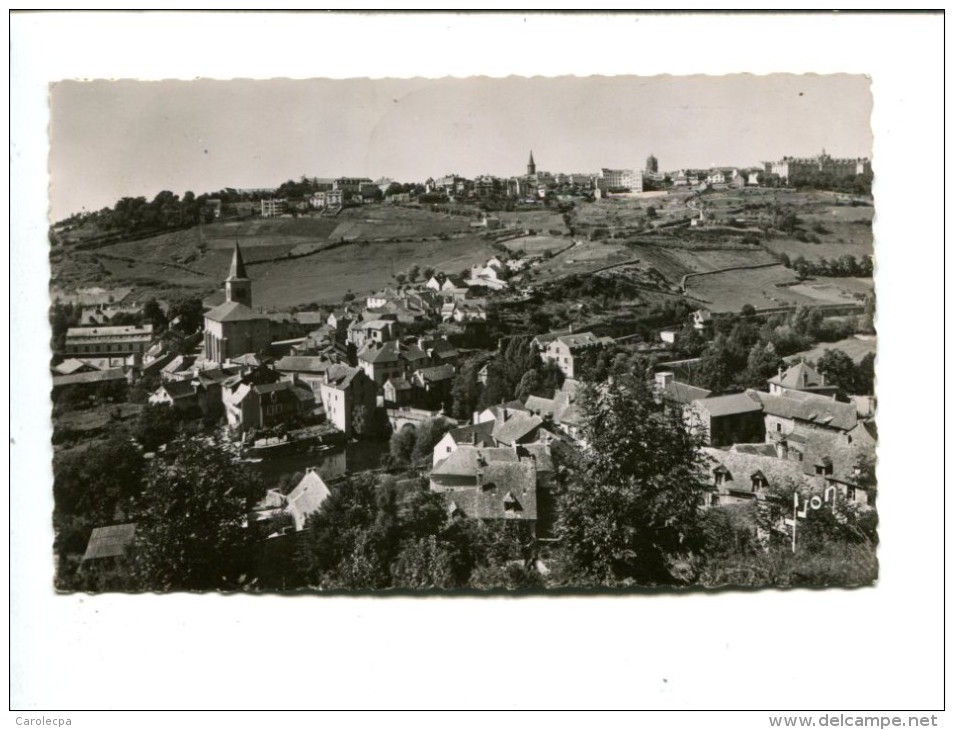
(855, 347)
(772, 286)
(536, 245)
(195, 260)
(363, 267)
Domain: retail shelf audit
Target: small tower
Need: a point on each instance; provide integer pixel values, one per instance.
(531, 165)
(652, 164)
(238, 287)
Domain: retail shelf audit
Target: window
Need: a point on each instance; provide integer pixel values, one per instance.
(778, 427)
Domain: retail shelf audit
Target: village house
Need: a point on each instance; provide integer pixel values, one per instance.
(517, 427)
(398, 393)
(307, 496)
(701, 319)
(347, 395)
(480, 434)
(499, 484)
(309, 370)
(565, 351)
(727, 419)
(736, 477)
(498, 412)
(260, 399)
(393, 359)
(800, 377)
(667, 389)
(793, 410)
(432, 387)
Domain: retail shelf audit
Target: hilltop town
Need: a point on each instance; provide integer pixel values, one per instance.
(629, 377)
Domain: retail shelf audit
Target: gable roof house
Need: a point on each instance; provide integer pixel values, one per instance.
(565, 350)
(307, 497)
(727, 419)
(736, 477)
(496, 483)
(800, 377)
(348, 394)
(479, 435)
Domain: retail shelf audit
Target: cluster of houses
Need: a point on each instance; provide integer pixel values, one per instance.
(796, 433)
(344, 365)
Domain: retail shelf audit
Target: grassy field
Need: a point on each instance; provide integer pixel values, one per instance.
(855, 348)
(328, 275)
(773, 286)
(543, 220)
(536, 245)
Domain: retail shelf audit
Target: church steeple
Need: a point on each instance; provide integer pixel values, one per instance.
(238, 287)
(531, 165)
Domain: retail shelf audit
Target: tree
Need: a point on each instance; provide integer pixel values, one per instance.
(428, 272)
(763, 363)
(865, 375)
(190, 518)
(426, 438)
(152, 313)
(838, 369)
(715, 370)
(465, 391)
(157, 425)
(402, 444)
(189, 310)
(634, 500)
(413, 272)
(422, 564)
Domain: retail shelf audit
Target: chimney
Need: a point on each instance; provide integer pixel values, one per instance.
(479, 476)
(779, 371)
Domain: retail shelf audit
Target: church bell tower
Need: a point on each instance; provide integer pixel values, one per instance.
(531, 165)
(238, 287)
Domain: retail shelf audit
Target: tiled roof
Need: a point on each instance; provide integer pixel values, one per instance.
(109, 542)
(474, 435)
(70, 366)
(436, 374)
(97, 376)
(799, 375)
(341, 376)
(307, 497)
(515, 427)
(816, 409)
(303, 364)
(466, 460)
(583, 339)
(684, 393)
(741, 467)
(728, 405)
(507, 491)
(233, 312)
(759, 449)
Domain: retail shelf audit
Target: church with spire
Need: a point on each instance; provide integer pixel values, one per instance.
(233, 328)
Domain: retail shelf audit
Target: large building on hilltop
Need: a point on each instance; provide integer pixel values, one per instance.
(233, 328)
(793, 168)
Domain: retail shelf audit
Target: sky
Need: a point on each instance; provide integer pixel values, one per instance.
(110, 139)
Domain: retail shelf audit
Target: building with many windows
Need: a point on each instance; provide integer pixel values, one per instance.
(106, 341)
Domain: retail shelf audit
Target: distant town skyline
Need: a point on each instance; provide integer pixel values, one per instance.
(112, 139)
